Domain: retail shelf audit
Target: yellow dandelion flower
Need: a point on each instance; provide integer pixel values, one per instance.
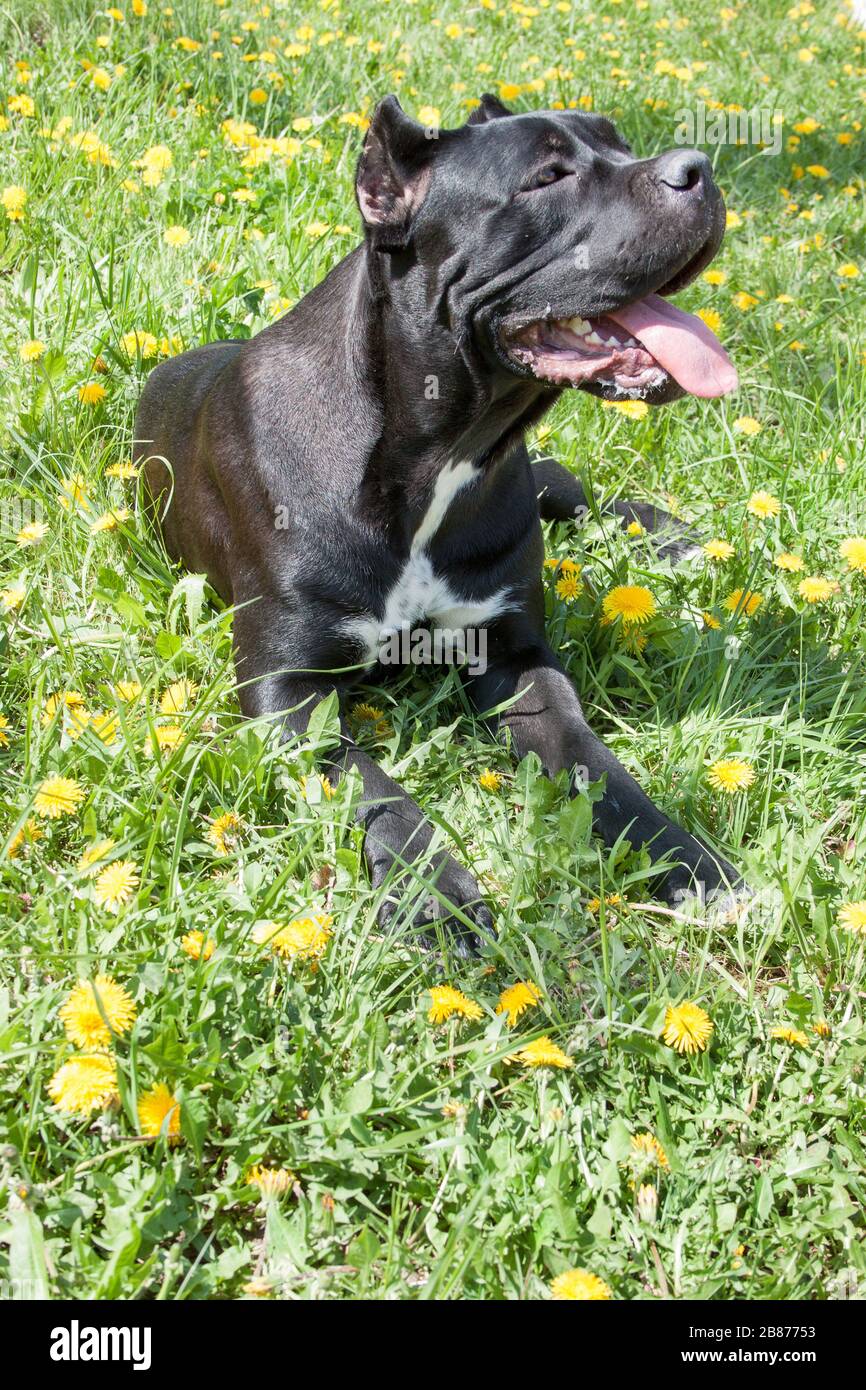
(222, 832)
(12, 598)
(630, 602)
(849, 271)
(610, 900)
(763, 504)
(271, 1182)
(127, 691)
(853, 916)
(116, 884)
(304, 938)
(197, 945)
(745, 601)
(732, 220)
(488, 779)
(687, 1028)
(139, 342)
(568, 588)
(32, 350)
(710, 621)
(788, 561)
(718, 550)
(31, 534)
(29, 833)
(633, 410)
(57, 796)
(542, 1053)
(794, 1036)
(76, 721)
(159, 1113)
(179, 696)
(429, 115)
(853, 552)
(323, 783)
(258, 1287)
(84, 1084)
(94, 854)
(578, 1285)
(176, 236)
(14, 199)
(4, 737)
(63, 700)
(91, 393)
(731, 775)
(367, 713)
(634, 528)
(156, 160)
(743, 301)
(73, 492)
(815, 589)
(821, 1028)
(95, 1011)
(712, 318)
(167, 737)
(715, 277)
(516, 999)
(109, 521)
(445, 1001)
(126, 469)
(645, 1148)
(22, 105)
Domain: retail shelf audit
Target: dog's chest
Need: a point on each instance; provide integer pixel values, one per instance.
(420, 592)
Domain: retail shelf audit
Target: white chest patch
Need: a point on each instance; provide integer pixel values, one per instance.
(419, 591)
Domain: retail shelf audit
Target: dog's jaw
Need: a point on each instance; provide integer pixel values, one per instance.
(590, 352)
(646, 349)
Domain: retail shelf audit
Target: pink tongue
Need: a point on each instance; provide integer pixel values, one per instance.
(681, 343)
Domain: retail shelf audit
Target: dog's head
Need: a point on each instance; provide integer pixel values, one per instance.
(548, 248)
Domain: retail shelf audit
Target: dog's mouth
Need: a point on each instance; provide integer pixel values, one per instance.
(645, 350)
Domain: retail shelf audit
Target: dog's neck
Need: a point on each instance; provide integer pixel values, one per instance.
(442, 402)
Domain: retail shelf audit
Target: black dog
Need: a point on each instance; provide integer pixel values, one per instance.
(383, 420)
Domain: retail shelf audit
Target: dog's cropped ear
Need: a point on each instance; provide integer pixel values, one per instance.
(393, 174)
(490, 108)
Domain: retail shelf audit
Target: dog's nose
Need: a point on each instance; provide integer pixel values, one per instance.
(685, 171)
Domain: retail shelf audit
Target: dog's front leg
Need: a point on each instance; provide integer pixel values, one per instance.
(547, 719)
(396, 834)
(561, 497)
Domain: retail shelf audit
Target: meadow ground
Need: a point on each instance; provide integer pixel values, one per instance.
(292, 1122)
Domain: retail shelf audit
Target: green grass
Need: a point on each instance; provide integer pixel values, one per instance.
(428, 1165)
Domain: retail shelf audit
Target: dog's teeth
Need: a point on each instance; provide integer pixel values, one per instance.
(579, 326)
(613, 342)
(632, 342)
(594, 339)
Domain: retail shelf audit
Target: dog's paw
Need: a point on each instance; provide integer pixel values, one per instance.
(407, 907)
(711, 888)
(684, 546)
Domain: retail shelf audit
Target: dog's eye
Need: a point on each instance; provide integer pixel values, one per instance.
(551, 173)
